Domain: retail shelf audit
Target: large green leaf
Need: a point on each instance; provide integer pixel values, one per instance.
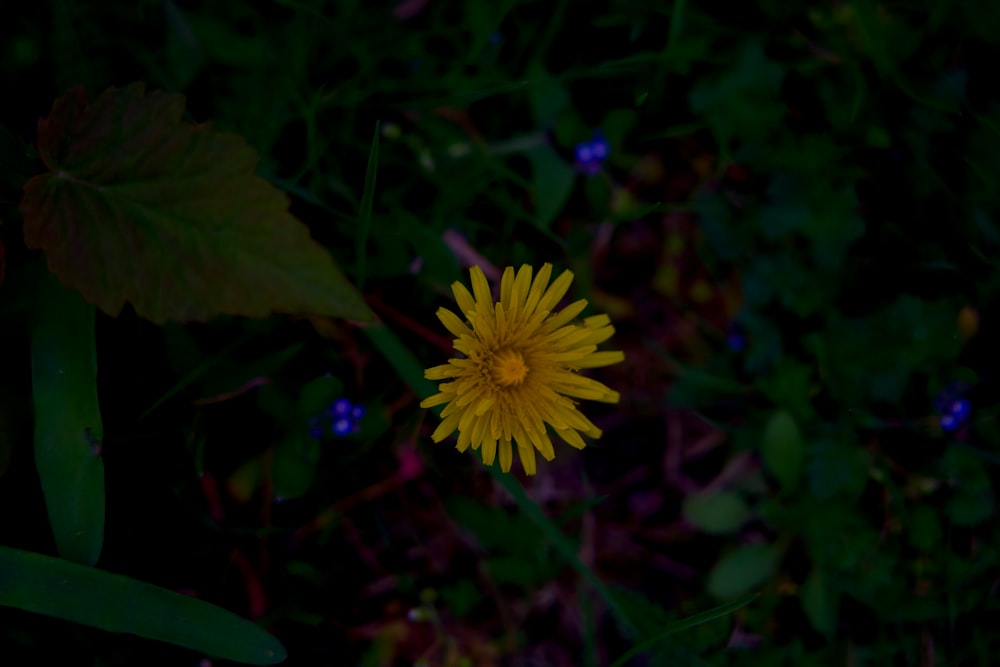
(821, 602)
(743, 102)
(783, 450)
(971, 501)
(89, 596)
(740, 571)
(68, 428)
(169, 216)
(716, 513)
(553, 180)
(838, 468)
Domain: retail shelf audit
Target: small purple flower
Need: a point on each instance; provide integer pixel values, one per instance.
(584, 153)
(341, 418)
(950, 423)
(342, 427)
(736, 340)
(961, 409)
(952, 392)
(600, 147)
(590, 155)
(340, 408)
(954, 410)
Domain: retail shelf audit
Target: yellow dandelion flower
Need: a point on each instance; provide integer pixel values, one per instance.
(519, 370)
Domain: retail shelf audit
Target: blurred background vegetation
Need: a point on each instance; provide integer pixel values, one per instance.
(789, 211)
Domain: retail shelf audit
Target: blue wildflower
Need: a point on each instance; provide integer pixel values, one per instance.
(341, 427)
(339, 408)
(590, 155)
(340, 418)
(736, 339)
(961, 409)
(600, 147)
(949, 423)
(955, 412)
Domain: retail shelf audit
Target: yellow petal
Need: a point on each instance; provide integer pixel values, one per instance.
(445, 428)
(521, 286)
(556, 291)
(525, 333)
(466, 421)
(576, 420)
(573, 338)
(452, 323)
(478, 432)
(596, 321)
(598, 336)
(480, 288)
(449, 409)
(538, 288)
(543, 444)
(489, 451)
(563, 317)
(485, 403)
(436, 399)
(584, 392)
(441, 372)
(536, 414)
(572, 438)
(598, 359)
(527, 453)
(485, 326)
(555, 337)
(507, 284)
(469, 396)
(463, 441)
(570, 355)
(501, 318)
(462, 297)
(495, 430)
(506, 455)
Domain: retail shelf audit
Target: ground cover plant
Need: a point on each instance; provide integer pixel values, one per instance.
(285, 286)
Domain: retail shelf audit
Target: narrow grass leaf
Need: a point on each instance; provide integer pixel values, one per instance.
(365, 214)
(68, 428)
(684, 624)
(560, 542)
(197, 373)
(402, 360)
(55, 587)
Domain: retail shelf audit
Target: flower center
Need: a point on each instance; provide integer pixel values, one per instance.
(509, 368)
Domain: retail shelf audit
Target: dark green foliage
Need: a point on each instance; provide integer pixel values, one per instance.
(820, 177)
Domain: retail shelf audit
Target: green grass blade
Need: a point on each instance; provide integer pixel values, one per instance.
(685, 624)
(560, 542)
(85, 595)
(365, 214)
(402, 359)
(68, 428)
(676, 23)
(196, 374)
